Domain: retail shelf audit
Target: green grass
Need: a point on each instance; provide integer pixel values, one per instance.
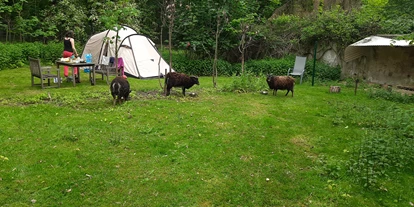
(70, 147)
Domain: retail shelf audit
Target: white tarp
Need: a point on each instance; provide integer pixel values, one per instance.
(138, 52)
(359, 48)
(381, 41)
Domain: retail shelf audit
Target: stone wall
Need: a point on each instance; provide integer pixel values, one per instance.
(383, 65)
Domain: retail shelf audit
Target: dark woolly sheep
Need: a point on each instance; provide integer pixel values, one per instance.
(182, 80)
(120, 89)
(280, 83)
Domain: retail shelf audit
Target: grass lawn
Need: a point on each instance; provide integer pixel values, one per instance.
(70, 146)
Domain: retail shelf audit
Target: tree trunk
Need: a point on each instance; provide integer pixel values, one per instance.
(216, 53)
(171, 12)
(169, 44)
(242, 50)
(161, 45)
(316, 7)
(116, 50)
(242, 61)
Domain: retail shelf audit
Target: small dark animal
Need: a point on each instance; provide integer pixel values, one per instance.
(182, 80)
(120, 89)
(280, 83)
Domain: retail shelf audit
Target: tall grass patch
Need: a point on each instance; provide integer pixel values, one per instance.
(384, 148)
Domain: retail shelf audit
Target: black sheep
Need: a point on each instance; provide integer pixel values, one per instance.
(174, 79)
(280, 82)
(120, 89)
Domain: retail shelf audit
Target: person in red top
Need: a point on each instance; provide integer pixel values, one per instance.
(69, 50)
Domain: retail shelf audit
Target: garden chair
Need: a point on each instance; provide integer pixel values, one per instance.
(299, 68)
(44, 73)
(108, 68)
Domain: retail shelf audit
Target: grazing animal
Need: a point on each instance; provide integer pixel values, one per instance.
(120, 89)
(174, 79)
(280, 83)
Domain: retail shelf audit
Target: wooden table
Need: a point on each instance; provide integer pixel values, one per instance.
(73, 65)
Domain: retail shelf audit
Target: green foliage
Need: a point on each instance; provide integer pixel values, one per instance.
(380, 154)
(338, 26)
(282, 35)
(16, 55)
(384, 149)
(203, 67)
(390, 95)
(60, 17)
(123, 12)
(270, 66)
(181, 63)
(196, 23)
(200, 67)
(268, 7)
(323, 72)
(245, 83)
(398, 18)
(387, 147)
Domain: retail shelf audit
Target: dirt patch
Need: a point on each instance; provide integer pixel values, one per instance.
(153, 94)
(398, 89)
(149, 93)
(404, 90)
(157, 94)
(300, 141)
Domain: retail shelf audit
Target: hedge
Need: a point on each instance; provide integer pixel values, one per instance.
(16, 55)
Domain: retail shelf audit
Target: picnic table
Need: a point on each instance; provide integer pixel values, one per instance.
(73, 65)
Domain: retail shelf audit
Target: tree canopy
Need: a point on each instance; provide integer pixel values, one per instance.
(254, 28)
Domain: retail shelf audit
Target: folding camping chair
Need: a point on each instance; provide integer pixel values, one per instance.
(299, 68)
(107, 68)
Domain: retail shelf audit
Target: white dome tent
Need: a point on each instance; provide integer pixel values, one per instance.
(141, 57)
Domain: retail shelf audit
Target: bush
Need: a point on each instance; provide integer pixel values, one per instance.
(200, 67)
(390, 96)
(385, 150)
(270, 66)
(247, 82)
(16, 55)
(385, 146)
(323, 72)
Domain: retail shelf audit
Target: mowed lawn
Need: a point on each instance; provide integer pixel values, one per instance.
(70, 146)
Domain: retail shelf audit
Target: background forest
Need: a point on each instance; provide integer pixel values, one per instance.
(237, 30)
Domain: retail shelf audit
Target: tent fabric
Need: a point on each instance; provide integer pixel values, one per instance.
(361, 47)
(140, 57)
(144, 57)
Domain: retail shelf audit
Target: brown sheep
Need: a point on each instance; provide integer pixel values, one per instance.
(182, 80)
(120, 89)
(280, 82)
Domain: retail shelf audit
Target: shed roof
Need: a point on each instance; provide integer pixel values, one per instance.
(359, 48)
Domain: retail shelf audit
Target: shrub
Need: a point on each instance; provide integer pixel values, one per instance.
(277, 67)
(16, 55)
(199, 67)
(323, 72)
(247, 82)
(390, 95)
(385, 147)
